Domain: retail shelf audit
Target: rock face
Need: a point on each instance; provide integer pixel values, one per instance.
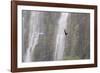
(44, 36)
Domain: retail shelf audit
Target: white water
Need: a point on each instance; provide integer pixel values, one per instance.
(33, 36)
(34, 32)
(60, 37)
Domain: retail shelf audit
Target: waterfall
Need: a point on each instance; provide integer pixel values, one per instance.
(33, 36)
(30, 49)
(36, 20)
(60, 37)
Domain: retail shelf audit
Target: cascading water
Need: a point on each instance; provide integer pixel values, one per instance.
(33, 36)
(60, 37)
(36, 19)
(44, 36)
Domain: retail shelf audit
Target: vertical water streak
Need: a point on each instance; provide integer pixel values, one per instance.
(60, 37)
(33, 36)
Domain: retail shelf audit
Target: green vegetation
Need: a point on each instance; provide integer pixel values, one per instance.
(71, 58)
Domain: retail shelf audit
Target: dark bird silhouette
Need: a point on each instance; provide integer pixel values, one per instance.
(65, 33)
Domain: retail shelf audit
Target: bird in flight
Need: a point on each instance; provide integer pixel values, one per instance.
(65, 33)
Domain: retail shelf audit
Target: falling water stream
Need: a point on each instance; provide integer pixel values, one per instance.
(45, 39)
(33, 36)
(60, 37)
